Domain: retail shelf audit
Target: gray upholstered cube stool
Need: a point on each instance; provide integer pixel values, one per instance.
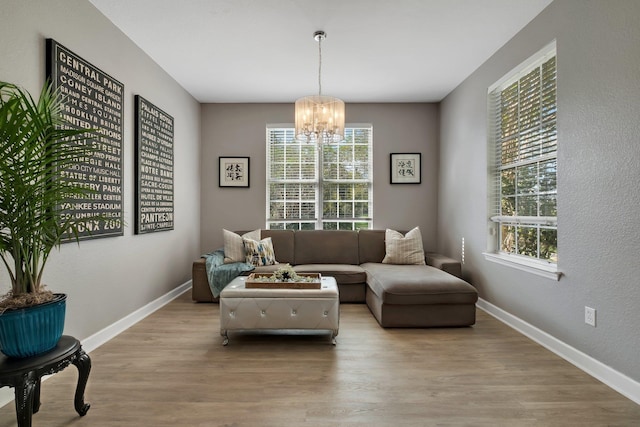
(273, 309)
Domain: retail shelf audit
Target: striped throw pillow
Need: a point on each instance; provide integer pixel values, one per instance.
(405, 249)
(233, 246)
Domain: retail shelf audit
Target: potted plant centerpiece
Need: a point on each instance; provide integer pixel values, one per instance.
(36, 144)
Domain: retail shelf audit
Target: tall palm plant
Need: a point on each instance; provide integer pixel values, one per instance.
(36, 144)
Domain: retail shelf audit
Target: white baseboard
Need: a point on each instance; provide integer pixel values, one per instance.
(96, 340)
(6, 395)
(609, 376)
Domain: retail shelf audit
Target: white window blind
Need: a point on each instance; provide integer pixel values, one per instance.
(523, 146)
(319, 188)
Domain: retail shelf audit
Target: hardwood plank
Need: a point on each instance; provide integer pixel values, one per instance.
(171, 370)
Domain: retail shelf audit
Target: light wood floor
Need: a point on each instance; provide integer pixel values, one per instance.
(171, 370)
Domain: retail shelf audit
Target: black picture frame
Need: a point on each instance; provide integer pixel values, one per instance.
(94, 100)
(154, 186)
(233, 172)
(405, 168)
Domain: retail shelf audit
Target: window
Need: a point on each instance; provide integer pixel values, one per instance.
(523, 158)
(327, 187)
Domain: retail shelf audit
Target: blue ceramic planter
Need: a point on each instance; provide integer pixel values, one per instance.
(30, 331)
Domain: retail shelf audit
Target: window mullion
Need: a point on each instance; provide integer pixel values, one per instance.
(540, 159)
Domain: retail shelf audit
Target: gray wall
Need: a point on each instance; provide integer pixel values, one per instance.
(106, 279)
(598, 45)
(239, 130)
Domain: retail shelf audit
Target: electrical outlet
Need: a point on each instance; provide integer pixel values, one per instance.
(590, 316)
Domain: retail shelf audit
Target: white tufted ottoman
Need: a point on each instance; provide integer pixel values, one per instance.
(260, 309)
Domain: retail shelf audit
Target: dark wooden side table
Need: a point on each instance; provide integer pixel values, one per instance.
(25, 374)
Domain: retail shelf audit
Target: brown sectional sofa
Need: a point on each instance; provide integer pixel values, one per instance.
(431, 295)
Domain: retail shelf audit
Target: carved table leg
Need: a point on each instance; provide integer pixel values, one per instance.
(24, 393)
(36, 397)
(83, 363)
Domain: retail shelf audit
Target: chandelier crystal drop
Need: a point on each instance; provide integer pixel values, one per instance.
(319, 118)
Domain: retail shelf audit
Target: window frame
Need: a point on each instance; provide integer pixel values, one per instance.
(496, 218)
(318, 183)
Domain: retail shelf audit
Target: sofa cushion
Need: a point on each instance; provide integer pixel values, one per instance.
(326, 247)
(403, 249)
(343, 273)
(417, 284)
(371, 245)
(282, 244)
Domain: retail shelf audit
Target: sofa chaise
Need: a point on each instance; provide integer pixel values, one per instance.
(430, 295)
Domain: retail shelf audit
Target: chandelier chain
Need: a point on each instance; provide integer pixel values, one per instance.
(320, 66)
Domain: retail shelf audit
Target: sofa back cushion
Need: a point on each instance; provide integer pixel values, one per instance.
(283, 244)
(371, 245)
(326, 247)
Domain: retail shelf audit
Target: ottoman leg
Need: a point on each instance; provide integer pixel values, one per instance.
(225, 335)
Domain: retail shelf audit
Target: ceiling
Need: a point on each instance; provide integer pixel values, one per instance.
(230, 51)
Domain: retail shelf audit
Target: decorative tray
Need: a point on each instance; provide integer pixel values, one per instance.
(259, 280)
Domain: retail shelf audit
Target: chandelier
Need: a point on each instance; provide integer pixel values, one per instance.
(319, 118)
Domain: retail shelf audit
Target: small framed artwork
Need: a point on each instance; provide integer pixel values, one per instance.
(234, 172)
(405, 168)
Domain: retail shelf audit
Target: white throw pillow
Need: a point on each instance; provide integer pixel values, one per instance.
(234, 247)
(401, 249)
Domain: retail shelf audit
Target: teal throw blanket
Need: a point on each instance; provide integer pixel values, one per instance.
(220, 274)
